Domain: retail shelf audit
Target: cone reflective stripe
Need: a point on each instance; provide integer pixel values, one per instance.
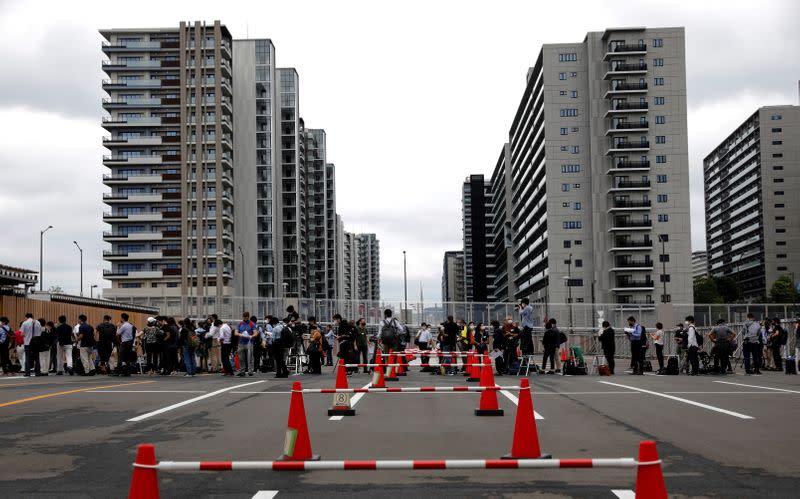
(144, 484)
(526, 437)
(403, 362)
(297, 446)
(413, 389)
(473, 367)
(392, 374)
(341, 400)
(649, 478)
(378, 381)
(488, 405)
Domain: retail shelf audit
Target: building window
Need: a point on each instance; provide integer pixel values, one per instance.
(663, 258)
(578, 242)
(576, 186)
(777, 167)
(661, 159)
(565, 204)
(567, 244)
(564, 187)
(777, 142)
(574, 149)
(570, 57)
(781, 255)
(565, 113)
(575, 129)
(664, 277)
(779, 193)
(579, 263)
(574, 282)
(658, 101)
(661, 179)
(662, 198)
(658, 42)
(573, 94)
(574, 224)
(780, 243)
(563, 148)
(777, 155)
(776, 117)
(577, 206)
(562, 92)
(661, 139)
(777, 180)
(659, 82)
(780, 205)
(573, 74)
(663, 238)
(660, 120)
(777, 130)
(570, 168)
(562, 76)
(663, 217)
(782, 268)
(564, 131)
(780, 218)
(780, 231)
(658, 61)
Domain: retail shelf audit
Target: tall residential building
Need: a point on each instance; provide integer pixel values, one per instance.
(599, 172)
(453, 277)
(170, 118)
(501, 242)
(699, 265)
(332, 233)
(369, 267)
(317, 247)
(751, 183)
(479, 264)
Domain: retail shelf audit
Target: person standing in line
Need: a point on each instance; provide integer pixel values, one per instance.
(85, 339)
(278, 329)
(526, 321)
(329, 340)
(46, 338)
(766, 346)
(658, 340)
(52, 343)
(255, 343)
(362, 342)
(777, 338)
(751, 346)
(151, 345)
(694, 344)
(796, 341)
(125, 333)
(225, 335)
(721, 336)
(214, 345)
(634, 331)
(498, 347)
(609, 345)
(19, 346)
(5, 341)
(244, 332)
(550, 342)
(562, 344)
(64, 340)
(106, 335)
(422, 340)
(31, 329)
(315, 350)
(449, 337)
(189, 342)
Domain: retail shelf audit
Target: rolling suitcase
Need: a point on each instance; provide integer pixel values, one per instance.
(791, 365)
(672, 366)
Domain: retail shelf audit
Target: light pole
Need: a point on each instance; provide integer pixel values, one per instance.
(405, 290)
(91, 290)
(81, 250)
(569, 289)
(241, 271)
(41, 253)
(663, 267)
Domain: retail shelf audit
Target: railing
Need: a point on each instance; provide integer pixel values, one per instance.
(627, 264)
(627, 243)
(633, 164)
(624, 222)
(625, 125)
(632, 145)
(624, 47)
(625, 66)
(628, 86)
(620, 203)
(631, 184)
(630, 283)
(623, 106)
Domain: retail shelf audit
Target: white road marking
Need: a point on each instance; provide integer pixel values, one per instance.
(624, 493)
(685, 401)
(758, 386)
(146, 391)
(259, 393)
(353, 402)
(513, 398)
(729, 393)
(265, 494)
(190, 401)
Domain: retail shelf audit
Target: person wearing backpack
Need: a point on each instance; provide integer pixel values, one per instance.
(777, 338)
(721, 336)
(389, 331)
(5, 341)
(85, 339)
(189, 342)
(609, 345)
(695, 341)
(105, 334)
(278, 330)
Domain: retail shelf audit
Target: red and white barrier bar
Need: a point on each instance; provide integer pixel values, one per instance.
(414, 389)
(446, 464)
(417, 365)
(431, 354)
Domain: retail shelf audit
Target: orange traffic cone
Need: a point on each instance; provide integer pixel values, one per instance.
(341, 401)
(144, 484)
(297, 446)
(401, 369)
(378, 381)
(236, 361)
(392, 372)
(475, 371)
(489, 405)
(649, 479)
(526, 437)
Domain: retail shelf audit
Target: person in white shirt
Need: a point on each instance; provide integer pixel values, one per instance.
(225, 334)
(658, 341)
(694, 345)
(423, 340)
(214, 348)
(31, 329)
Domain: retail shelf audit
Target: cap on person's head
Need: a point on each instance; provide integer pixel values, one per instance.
(606, 324)
(632, 318)
(721, 321)
(151, 320)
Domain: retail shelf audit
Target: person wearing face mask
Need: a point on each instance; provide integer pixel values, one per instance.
(550, 342)
(694, 344)
(510, 343)
(423, 340)
(608, 344)
(636, 335)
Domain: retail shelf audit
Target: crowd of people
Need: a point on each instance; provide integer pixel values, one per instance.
(166, 346)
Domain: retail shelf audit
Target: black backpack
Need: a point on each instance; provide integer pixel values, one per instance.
(698, 336)
(287, 337)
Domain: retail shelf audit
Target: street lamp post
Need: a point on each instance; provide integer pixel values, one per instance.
(41, 254)
(405, 290)
(569, 289)
(91, 290)
(81, 251)
(663, 267)
(242, 273)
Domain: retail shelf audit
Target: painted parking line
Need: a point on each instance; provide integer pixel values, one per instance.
(624, 493)
(759, 386)
(68, 392)
(353, 402)
(147, 391)
(685, 401)
(260, 393)
(187, 402)
(265, 494)
(513, 398)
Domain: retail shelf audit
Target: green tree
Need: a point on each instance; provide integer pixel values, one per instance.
(728, 289)
(705, 291)
(783, 291)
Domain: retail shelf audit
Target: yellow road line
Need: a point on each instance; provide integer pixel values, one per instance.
(56, 394)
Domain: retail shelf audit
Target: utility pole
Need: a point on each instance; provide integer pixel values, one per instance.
(81, 250)
(242, 273)
(41, 254)
(569, 289)
(663, 268)
(91, 290)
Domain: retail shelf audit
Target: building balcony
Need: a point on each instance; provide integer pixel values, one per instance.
(625, 88)
(108, 47)
(130, 65)
(629, 264)
(627, 244)
(132, 274)
(625, 68)
(109, 103)
(113, 198)
(634, 285)
(132, 217)
(126, 84)
(625, 146)
(132, 236)
(630, 205)
(622, 166)
(110, 122)
(115, 140)
(132, 255)
(627, 224)
(630, 185)
(111, 160)
(628, 127)
(625, 49)
(122, 179)
(627, 107)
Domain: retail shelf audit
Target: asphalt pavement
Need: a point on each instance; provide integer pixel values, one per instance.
(718, 436)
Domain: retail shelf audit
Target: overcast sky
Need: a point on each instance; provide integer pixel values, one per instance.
(414, 97)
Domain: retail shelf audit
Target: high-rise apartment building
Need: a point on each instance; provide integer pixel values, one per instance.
(453, 277)
(501, 242)
(170, 118)
(479, 261)
(699, 265)
(751, 183)
(369, 267)
(599, 173)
